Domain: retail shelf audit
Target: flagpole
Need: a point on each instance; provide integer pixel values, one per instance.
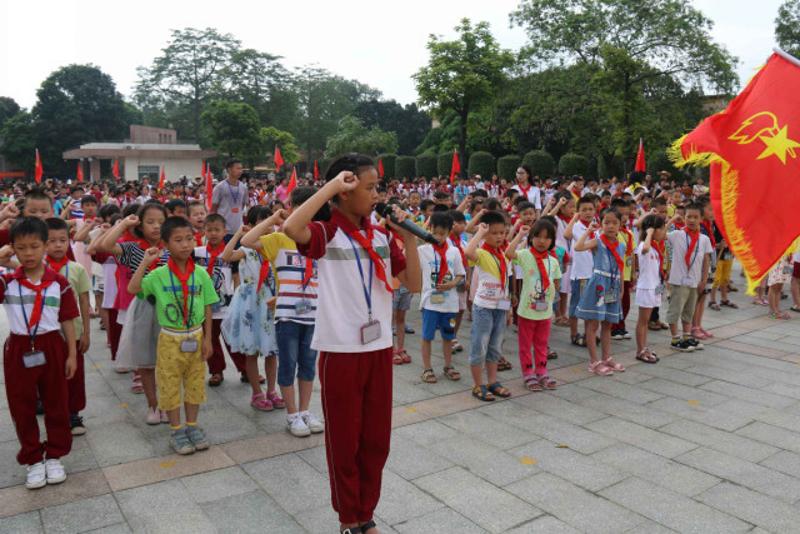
(787, 56)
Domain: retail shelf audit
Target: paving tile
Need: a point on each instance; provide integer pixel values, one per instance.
(410, 460)
(317, 459)
(442, 520)
(477, 500)
(310, 489)
(546, 524)
(641, 414)
(753, 507)
(487, 429)
(727, 442)
(558, 407)
(742, 472)
(119, 528)
(496, 466)
(642, 437)
(117, 443)
(402, 501)
(577, 468)
(28, 523)
(672, 509)
(251, 512)
(674, 375)
(657, 469)
(750, 394)
(623, 391)
(784, 461)
(780, 418)
(573, 392)
(715, 416)
(319, 519)
(82, 516)
(218, 484)
(16, 500)
(162, 507)
(772, 435)
(680, 391)
(729, 375)
(426, 433)
(573, 505)
(262, 447)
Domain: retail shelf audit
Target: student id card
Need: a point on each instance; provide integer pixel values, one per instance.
(189, 345)
(370, 331)
(32, 359)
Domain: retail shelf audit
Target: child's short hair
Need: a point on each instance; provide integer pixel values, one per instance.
(441, 219)
(586, 199)
(57, 223)
(195, 204)
(212, 218)
(148, 206)
(652, 221)
(511, 193)
(698, 206)
(352, 162)
(611, 211)
(480, 193)
(257, 213)
(426, 203)
(301, 194)
(171, 224)
(29, 226)
(37, 194)
(457, 216)
(89, 199)
(659, 201)
(493, 204)
(231, 162)
(543, 225)
(108, 211)
(174, 204)
(619, 203)
(441, 195)
(493, 217)
(440, 208)
(525, 205)
(131, 209)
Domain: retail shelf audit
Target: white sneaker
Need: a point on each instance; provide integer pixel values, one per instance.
(153, 416)
(37, 477)
(297, 427)
(55, 471)
(164, 417)
(315, 425)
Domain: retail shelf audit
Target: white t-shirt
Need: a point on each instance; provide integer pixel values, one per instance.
(491, 292)
(222, 279)
(430, 263)
(679, 274)
(582, 262)
(649, 265)
(534, 195)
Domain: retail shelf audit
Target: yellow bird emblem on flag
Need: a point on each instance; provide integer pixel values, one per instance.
(764, 127)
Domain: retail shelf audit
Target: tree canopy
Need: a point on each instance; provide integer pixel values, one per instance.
(787, 27)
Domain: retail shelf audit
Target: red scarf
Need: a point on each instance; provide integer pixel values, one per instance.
(540, 257)
(524, 190)
(144, 245)
(377, 261)
(660, 249)
(628, 241)
(263, 272)
(456, 240)
(564, 218)
(198, 238)
(183, 278)
(501, 262)
(56, 265)
(308, 274)
(441, 250)
(695, 237)
(213, 254)
(612, 247)
(680, 225)
(710, 233)
(36, 312)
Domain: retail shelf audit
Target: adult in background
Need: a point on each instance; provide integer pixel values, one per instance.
(229, 198)
(527, 188)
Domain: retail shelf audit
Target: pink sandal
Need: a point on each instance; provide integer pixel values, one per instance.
(136, 384)
(600, 368)
(610, 362)
(260, 402)
(276, 400)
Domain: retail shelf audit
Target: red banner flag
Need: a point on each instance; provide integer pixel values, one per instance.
(380, 168)
(79, 173)
(115, 170)
(753, 148)
(278, 159)
(162, 180)
(640, 164)
(455, 167)
(292, 181)
(209, 183)
(316, 170)
(38, 170)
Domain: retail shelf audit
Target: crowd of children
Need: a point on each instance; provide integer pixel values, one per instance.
(323, 280)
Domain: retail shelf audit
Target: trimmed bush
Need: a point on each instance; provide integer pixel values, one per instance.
(541, 163)
(481, 163)
(324, 163)
(389, 163)
(444, 162)
(571, 164)
(404, 167)
(507, 166)
(426, 165)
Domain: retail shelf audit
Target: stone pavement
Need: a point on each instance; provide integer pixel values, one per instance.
(704, 442)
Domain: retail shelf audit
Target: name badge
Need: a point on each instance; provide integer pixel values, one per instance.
(370, 331)
(610, 297)
(302, 307)
(659, 290)
(234, 210)
(33, 359)
(539, 305)
(437, 297)
(189, 345)
(788, 270)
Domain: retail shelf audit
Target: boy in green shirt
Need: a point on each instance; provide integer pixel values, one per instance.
(183, 297)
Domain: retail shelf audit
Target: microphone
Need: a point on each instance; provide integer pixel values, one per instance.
(386, 211)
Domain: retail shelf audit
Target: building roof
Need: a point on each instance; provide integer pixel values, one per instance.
(143, 150)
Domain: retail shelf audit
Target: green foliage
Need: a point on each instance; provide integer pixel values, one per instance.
(540, 162)
(353, 136)
(271, 136)
(19, 141)
(481, 163)
(426, 165)
(8, 108)
(787, 26)
(389, 163)
(324, 163)
(233, 129)
(507, 166)
(404, 167)
(444, 163)
(573, 164)
(408, 122)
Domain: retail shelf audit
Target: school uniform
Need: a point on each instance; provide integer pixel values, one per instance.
(48, 381)
(355, 362)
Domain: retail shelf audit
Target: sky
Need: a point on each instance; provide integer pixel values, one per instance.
(376, 42)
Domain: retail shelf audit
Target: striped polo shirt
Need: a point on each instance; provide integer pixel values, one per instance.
(290, 267)
(59, 303)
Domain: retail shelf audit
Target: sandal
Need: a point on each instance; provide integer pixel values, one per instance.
(552, 355)
(646, 356)
(548, 382)
(451, 373)
(404, 355)
(714, 306)
(610, 362)
(498, 390)
(368, 525)
(579, 340)
(783, 316)
(244, 380)
(428, 376)
(457, 347)
(351, 530)
(729, 304)
(136, 385)
(260, 402)
(795, 309)
(664, 326)
(397, 359)
(655, 326)
(215, 380)
(482, 393)
(532, 384)
(504, 365)
(600, 368)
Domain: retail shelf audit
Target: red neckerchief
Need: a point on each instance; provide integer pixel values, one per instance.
(36, 312)
(628, 241)
(144, 245)
(366, 243)
(694, 235)
(524, 190)
(680, 225)
(660, 247)
(183, 278)
(198, 238)
(88, 219)
(710, 232)
(540, 257)
(456, 240)
(56, 265)
(440, 249)
(263, 273)
(501, 261)
(213, 254)
(308, 274)
(564, 218)
(612, 247)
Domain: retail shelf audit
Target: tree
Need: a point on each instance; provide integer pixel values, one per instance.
(507, 166)
(404, 167)
(8, 108)
(426, 165)
(271, 137)
(573, 164)
(787, 26)
(19, 141)
(179, 82)
(233, 129)
(540, 162)
(481, 163)
(353, 136)
(409, 123)
(461, 75)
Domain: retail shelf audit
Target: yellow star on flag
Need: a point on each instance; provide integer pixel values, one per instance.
(778, 145)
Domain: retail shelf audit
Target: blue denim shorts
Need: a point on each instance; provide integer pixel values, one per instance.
(295, 355)
(436, 320)
(576, 287)
(401, 300)
(486, 336)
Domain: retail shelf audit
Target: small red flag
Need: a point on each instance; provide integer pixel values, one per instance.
(640, 164)
(455, 167)
(292, 181)
(316, 170)
(208, 177)
(380, 168)
(79, 174)
(278, 159)
(115, 169)
(162, 180)
(39, 170)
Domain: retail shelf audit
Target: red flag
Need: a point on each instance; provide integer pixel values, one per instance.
(208, 177)
(79, 174)
(316, 170)
(38, 170)
(455, 168)
(640, 164)
(162, 180)
(278, 159)
(380, 168)
(753, 147)
(115, 170)
(292, 181)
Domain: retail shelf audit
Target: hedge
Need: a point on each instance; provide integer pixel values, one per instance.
(444, 163)
(481, 163)
(389, 162)
(507, 166)
(573, 164)
(426, 165)
(324, 163)
(541, 163)
(404, 167)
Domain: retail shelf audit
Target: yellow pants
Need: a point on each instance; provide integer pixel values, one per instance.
(723, 274)
(175, 369)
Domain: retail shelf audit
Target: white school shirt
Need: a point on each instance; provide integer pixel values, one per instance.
(582, 262)
(59, 303)
(649, 266)
(430, 264)
(679, 275)
(222, 279)
(534, 196)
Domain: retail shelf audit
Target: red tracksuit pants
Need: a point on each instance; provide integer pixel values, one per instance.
(216, 363)
(357, 403)
(76, 386)
(114, 331)
(47, 382)
(533, 335)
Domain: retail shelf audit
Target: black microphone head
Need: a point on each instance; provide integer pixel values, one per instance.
(383, 209)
